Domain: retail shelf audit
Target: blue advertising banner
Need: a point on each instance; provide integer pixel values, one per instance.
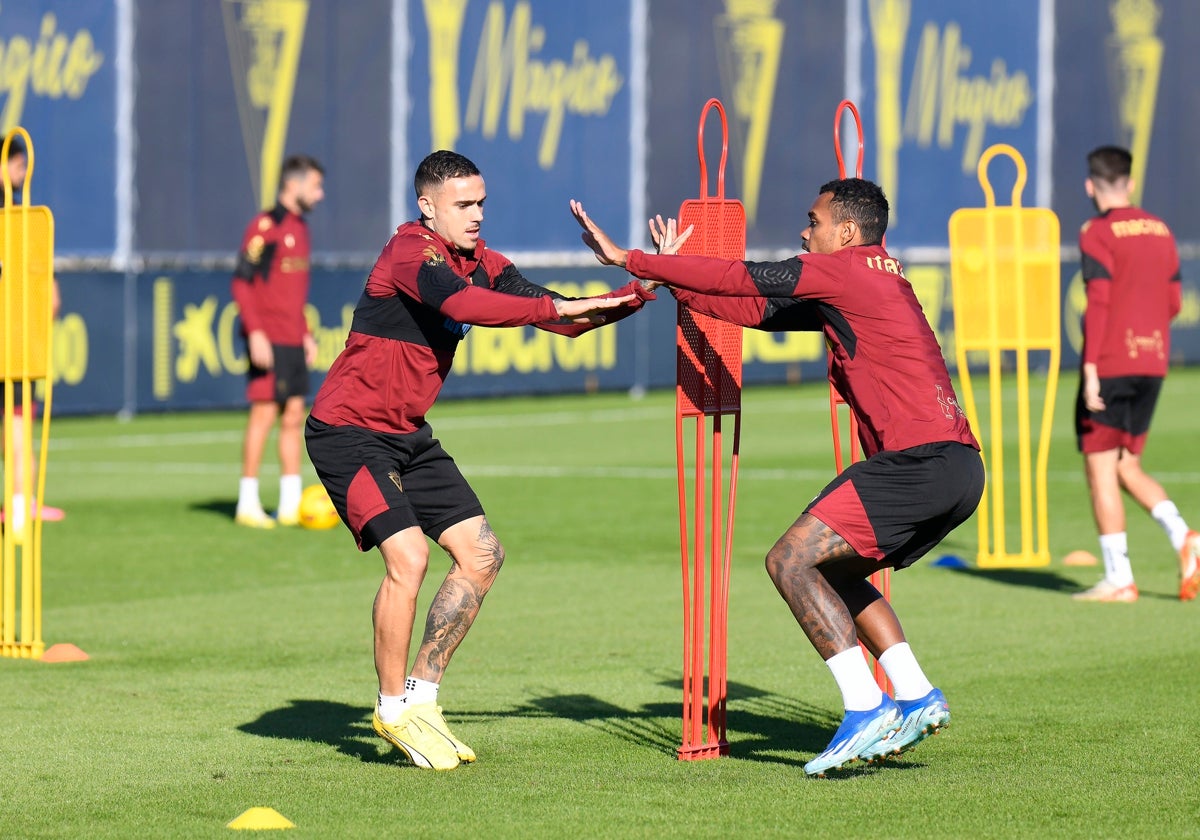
(777, 69)
(228, 88)
(171, 341)
(536, 93)
(58, 82)
(944, 80)
(1133, 85)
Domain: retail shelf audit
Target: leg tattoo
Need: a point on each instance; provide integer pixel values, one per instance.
(457, 602)
(794, 566)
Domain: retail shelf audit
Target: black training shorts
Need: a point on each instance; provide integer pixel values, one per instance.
(1129, 403)
(382, 483)
(895, 507)
(287, 379)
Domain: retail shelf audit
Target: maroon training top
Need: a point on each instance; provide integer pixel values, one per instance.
(1131, 268)
(420, 299)
(884, 359)
(270, 282)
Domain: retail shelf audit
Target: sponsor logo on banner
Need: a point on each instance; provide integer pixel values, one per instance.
(1134, 53)
(517, 70)
(265, 39)
(953, 85)
(47, 64)
(204, 336)
(749, 46)
(494, 352)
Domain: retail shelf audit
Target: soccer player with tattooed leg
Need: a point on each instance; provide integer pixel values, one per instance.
(392, 482)
(922, 475)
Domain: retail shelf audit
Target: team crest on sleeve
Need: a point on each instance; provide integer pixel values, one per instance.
(433, 256)
(254, 248)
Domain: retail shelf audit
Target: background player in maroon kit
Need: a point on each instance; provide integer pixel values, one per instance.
(391, 481)
(922, 476)
(270, 285)
(1131, 268)
(18, 167)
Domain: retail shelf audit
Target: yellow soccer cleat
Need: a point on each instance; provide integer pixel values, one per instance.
(431, 715)
(255, 520)
(424, 745)
(288, 520)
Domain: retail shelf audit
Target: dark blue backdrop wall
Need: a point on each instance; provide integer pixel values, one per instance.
(159, 126)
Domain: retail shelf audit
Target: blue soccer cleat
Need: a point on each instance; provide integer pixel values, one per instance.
(860, 733)
(921, 718)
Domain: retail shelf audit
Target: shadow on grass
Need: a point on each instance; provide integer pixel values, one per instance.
(1032, 578)
(224, 508)
(763, 726)
(346, 728)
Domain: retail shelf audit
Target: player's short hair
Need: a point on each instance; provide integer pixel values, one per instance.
(439, 167)
(861, 201)
(1109, 163)
(297, 166)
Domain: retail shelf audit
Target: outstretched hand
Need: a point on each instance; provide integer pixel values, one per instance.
(606, 251)
(589, 310)
(666, 236)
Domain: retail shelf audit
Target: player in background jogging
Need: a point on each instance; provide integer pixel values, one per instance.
(1131, 270)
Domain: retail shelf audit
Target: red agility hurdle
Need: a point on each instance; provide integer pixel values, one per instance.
(708, 385)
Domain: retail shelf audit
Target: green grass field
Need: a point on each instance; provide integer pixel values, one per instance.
(232, 669)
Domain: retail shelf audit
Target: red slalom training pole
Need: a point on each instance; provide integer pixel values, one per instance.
(881, 580)
(708, 389)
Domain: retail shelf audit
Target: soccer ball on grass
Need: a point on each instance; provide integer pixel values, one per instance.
(316, 509)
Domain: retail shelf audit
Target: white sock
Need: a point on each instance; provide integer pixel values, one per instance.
(1115, 550)
(1167, 515)
(860, 693)
(390, 706)
(289, 494)
(420, 691)
(248, 501)
(906, 675)
(17, 515)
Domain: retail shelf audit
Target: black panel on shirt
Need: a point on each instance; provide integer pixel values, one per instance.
(775, 279)
(512, 282)
(789, 314)
(1093, 269)
(403, 319)
(436, 282)
(840, 326)
(247, 270)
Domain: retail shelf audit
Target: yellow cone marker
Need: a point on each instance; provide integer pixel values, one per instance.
(256, 819)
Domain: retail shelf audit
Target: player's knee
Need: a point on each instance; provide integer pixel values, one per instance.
(486, 561)
(406, 566)
(1129, 469)
(778, 560)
